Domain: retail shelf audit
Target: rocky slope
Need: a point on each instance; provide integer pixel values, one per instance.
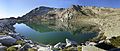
(6, 25)
(107, 19)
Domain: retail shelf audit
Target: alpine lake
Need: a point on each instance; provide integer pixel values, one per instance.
(52, 33)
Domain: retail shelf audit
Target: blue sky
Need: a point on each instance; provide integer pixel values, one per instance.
(14, 8)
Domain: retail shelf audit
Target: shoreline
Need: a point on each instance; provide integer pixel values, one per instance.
(7, 32)
(35, 45)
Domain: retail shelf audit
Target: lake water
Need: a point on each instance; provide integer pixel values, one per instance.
(50, 37)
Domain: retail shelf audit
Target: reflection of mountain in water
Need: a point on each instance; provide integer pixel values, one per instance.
(73, 20)
(51, 37)
(72, 27)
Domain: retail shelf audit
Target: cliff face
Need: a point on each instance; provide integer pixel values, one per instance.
(107, 19)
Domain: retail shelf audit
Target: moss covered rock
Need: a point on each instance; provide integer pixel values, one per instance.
(12, 48)
(20, 42)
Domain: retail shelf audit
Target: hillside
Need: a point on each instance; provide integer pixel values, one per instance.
(105, 19)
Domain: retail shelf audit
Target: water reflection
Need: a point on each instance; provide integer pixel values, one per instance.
(52, 33)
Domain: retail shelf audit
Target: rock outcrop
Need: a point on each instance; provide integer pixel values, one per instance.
(7, 40)
(6, 25)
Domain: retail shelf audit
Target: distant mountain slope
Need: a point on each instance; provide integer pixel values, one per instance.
(107, 19)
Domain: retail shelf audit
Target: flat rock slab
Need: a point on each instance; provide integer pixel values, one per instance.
(91, 48)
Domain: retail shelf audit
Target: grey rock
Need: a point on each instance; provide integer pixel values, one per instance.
(17, 46)
(2, 48)
(28, 41)
(26, 46)
(59, 45)
(15, 35)
(41, 48)
(7, 40)
(90, 43)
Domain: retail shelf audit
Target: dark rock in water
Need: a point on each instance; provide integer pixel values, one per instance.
(7, 40)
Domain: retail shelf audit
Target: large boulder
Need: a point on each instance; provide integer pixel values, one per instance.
(17, 46)
(7, 40)
(44, 48)
(26, 46)
(70, 43)
(28, 41)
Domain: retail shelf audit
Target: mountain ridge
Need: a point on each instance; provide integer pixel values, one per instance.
(106, 18)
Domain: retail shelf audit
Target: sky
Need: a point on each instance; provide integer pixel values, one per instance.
(15, 8)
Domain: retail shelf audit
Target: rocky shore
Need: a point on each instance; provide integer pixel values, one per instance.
(13, 41)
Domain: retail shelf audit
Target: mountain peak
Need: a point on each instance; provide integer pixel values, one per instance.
(76, 7)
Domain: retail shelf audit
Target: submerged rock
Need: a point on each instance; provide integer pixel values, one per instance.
(7, 40)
